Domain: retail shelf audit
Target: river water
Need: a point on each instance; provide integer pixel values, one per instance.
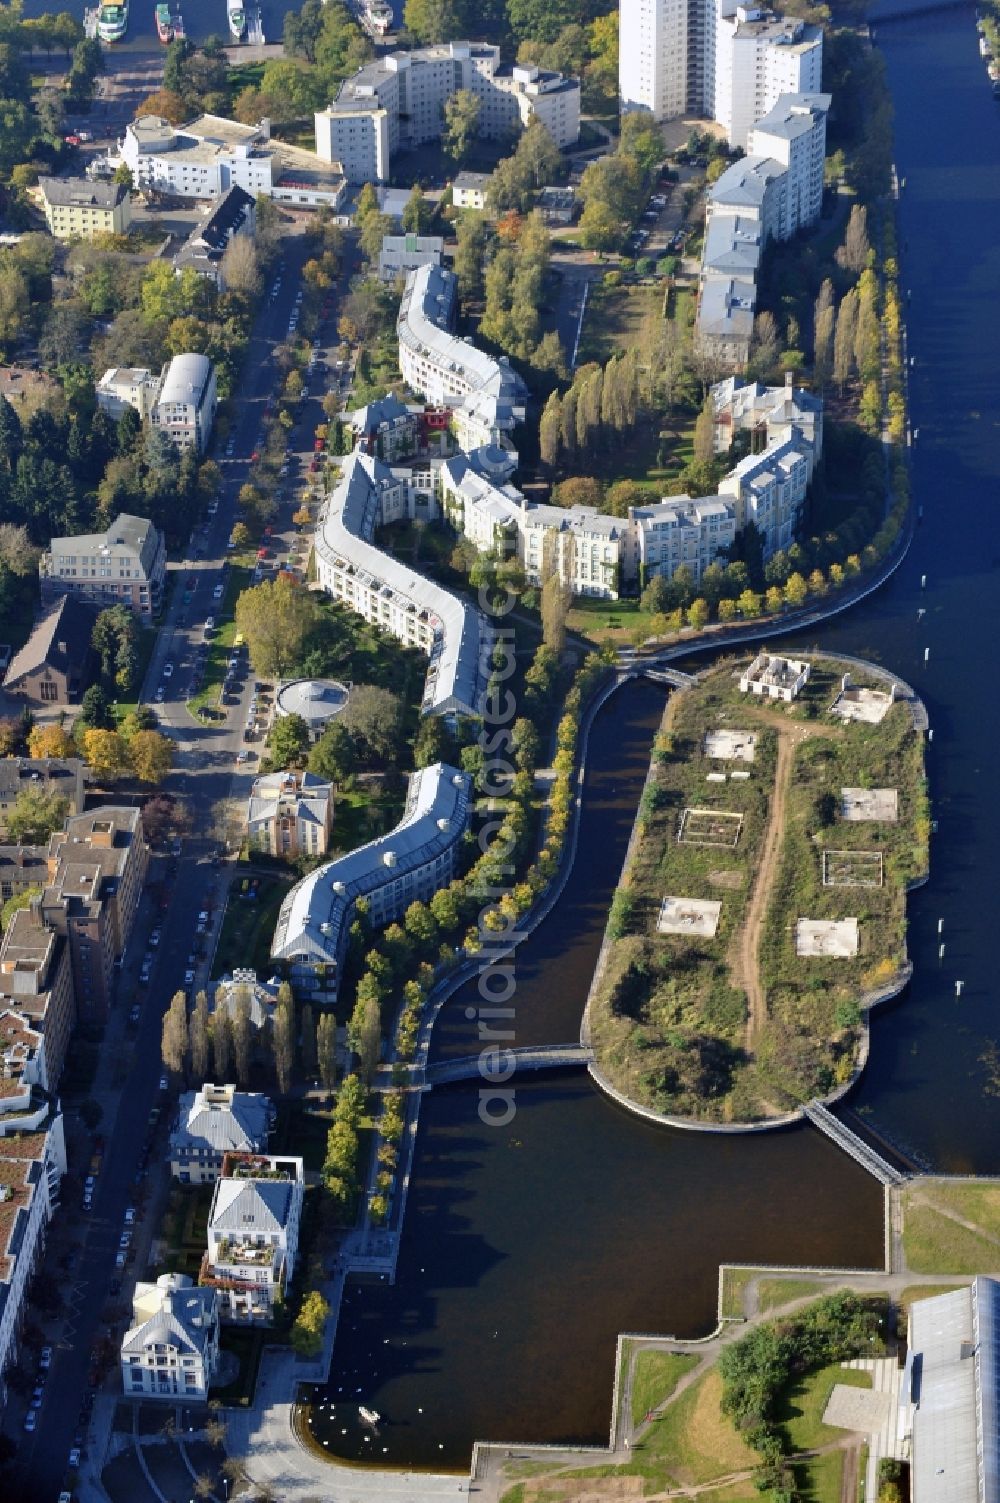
(526, 1250)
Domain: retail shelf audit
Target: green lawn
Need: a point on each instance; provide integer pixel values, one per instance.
(248, 928)
(934, 1243)
(771, 1293)
(619, 318)
(302, 1129)
(734, 1287)
(820, 1479)
(654, 1378)
(800, 1407)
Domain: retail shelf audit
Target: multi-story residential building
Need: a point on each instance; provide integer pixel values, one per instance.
(234, 213)
(63, 776)
(679, 531)
(253, 1234)
(389, 592)
(758, 57)
(772, 193)
(653, 56)
(409, 863)
(387, 428)
(244, 988)
(36, 989)
(186, 401)
(290, 814)
(22, 867)
(596, 554)
(487, 397)
(401, 254)
(771, 414)
(127, 386)
(126, 565)
(32, 1163)
(77, 209)
(470, 190)
(98, 867)
(206, 157)
(396, 102)
(214, 1121)
(56, 664)
(171, 1349)
(793, 133)
(583, 545)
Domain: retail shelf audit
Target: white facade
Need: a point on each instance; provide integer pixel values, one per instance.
(32, 1164)
(290, 814)
(773, 192)
(410, 863)
(679, 531)
(487, 396)
(470, 190)
(401, 254)
(186, 401)
(793, 132)
(653, 57)
(253, 1233)
(123, 387)
(397, 101)
(171, 1350)
(418, 612)
(759, 56)
(211, 154)
(584, 546)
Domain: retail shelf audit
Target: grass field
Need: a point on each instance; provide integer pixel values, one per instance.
(821, 1479)
(619, 318)
(934, 1242)
(800, 1411)
(773, 1293)
(248, 928)
(654, 1378)
(734, 1287)
(669, 1015)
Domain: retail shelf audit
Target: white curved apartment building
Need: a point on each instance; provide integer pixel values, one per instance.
(407, 865)
(388, 592)
(487, 397)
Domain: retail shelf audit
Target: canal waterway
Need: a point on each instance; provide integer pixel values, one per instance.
(526, 1250)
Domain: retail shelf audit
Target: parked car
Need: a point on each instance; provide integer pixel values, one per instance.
(135, 1014)
(154, 938)
(168, 670)
(45, 1355)
(30, 1420)
(218, 592)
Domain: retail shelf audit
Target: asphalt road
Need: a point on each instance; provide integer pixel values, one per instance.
(205, 773)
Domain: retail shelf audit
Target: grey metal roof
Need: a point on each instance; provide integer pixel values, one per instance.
(344, 535)
(953, 1363)
(315, 913)
(81, 193)
(185, 380)
(251, 1205)
(184, 1320)
(239, 1126)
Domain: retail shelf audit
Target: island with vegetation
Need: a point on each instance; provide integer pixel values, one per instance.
(763, 905)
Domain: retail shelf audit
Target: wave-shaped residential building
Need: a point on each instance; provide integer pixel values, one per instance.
(407, 865)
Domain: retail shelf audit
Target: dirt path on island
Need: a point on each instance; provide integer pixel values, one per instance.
(743, 961)
(744, 953)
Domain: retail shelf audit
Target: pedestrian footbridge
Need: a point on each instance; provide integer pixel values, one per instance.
(494, 1060)
(853, 1145)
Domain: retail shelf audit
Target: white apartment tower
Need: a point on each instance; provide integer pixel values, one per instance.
(759, 56)
(720, 58)
(653, 51)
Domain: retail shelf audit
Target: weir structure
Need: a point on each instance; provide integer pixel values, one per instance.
(854, 1146)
